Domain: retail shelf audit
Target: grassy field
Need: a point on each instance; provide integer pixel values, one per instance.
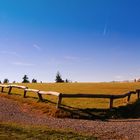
(80, 107)
(18, 132)
(101, 88)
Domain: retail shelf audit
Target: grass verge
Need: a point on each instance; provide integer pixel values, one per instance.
(16, 132)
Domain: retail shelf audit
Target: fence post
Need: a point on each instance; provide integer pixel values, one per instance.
(24, 93)
(111, 102)
(59, 100)
(128, 99)
(2, 89)
(10, 89)
(40, 97)
(138, 93)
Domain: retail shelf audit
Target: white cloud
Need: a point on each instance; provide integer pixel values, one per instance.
(22, 64)
(37, 47)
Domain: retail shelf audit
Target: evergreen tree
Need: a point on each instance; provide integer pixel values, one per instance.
(67, 81)
(25, 79)
(6, 81)
(58, 78)
(34, 81)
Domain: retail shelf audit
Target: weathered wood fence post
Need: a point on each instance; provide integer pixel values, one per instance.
(24, 95)
(138, 93)
(111, 102)
(59, 100)
(129, 95)
(40, 97)
(10, 89)
(2, 89)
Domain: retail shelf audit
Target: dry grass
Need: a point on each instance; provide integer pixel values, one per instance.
(49, 106)
(101, 88)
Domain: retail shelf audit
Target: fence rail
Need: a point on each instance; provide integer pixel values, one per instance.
(63, 95)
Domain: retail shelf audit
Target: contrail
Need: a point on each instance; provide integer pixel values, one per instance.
(105, 30)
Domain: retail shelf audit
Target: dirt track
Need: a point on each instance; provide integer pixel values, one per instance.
(12, 111)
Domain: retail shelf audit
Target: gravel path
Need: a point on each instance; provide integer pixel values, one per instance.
(12, 111)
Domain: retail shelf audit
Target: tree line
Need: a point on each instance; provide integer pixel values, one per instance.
(25, 79)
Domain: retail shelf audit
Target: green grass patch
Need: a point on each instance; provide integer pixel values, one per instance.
(16, 132)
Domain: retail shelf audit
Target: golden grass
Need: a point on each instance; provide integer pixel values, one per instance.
(101, 88)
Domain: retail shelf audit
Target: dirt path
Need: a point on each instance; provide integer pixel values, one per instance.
(12, 111)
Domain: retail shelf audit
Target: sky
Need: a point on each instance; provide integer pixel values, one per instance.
(85, 40)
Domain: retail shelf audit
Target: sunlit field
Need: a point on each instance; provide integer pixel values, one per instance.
(101, 88)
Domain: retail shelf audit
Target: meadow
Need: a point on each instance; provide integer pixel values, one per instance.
(92, 88)
(79, 107)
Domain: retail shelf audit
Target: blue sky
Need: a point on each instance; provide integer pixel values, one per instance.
(86, 40)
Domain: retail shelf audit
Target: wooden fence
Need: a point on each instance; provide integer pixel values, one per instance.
(62, 95)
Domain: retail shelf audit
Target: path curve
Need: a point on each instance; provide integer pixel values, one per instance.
(13, 111)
